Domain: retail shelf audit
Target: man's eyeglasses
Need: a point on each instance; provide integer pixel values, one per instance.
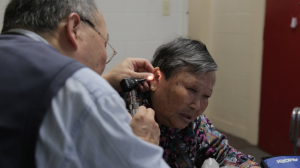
(111, 52)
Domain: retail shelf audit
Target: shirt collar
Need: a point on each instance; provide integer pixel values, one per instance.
(28, 33)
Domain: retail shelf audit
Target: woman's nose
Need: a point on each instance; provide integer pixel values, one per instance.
(195, 104)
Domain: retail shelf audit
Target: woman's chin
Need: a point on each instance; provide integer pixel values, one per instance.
(176, 125)
(180, 126)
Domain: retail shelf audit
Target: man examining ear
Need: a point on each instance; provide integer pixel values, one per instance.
(55, 108)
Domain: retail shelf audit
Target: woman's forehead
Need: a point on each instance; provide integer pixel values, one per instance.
(186, 76)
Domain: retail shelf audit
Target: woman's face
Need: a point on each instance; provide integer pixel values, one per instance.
(181, 99)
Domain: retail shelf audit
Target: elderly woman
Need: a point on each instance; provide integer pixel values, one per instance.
(183, 82)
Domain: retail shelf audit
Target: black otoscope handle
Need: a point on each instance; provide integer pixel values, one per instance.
(128, 84)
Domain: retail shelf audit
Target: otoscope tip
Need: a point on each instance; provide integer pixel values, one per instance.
(150, 77)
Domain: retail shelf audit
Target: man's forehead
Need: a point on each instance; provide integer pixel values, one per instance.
(101, 24)
(100, 18)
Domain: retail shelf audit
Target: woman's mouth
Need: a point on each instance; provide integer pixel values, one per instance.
(186, 117)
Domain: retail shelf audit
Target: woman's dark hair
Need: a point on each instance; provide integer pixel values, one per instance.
(183, 54)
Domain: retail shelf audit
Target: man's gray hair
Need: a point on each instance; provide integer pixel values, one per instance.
(45, 15)
(183, 54)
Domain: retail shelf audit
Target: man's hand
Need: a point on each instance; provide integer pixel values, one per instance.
(144, 126)
(137, 68)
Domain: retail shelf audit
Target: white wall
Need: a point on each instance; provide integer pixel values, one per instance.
(138, 27)
(3, 4)
(233, 32)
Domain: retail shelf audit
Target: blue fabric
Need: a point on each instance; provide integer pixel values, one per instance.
(283, 162)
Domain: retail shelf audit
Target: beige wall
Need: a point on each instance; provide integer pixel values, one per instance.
(233, 32)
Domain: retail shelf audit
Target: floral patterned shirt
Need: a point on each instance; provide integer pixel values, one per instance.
(195, 143)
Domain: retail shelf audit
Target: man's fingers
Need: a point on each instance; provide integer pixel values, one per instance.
(141, 69)
(142, 63)
(150, 112)
(144, 126)
(145, 86)
(141, 87)
(141, 111)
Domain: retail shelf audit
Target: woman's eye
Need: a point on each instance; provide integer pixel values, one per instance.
(192, 90)
(206, 96)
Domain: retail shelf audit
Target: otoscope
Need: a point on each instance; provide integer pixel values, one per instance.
(129, 85)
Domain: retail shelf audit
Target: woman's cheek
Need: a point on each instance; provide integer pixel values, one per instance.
(184, 98)
(203, 105)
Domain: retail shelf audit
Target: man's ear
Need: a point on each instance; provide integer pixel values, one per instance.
(73, 26)
(158, 76)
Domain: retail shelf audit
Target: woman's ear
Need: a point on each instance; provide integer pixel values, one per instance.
(158, 76)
